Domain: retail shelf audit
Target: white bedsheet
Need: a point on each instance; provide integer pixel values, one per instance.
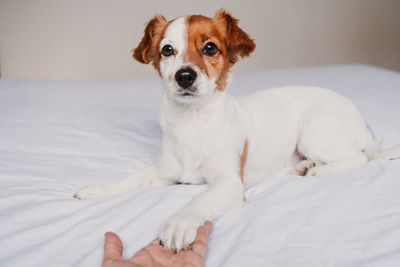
(58, 136)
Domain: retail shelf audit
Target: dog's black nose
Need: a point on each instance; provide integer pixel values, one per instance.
(185, 77)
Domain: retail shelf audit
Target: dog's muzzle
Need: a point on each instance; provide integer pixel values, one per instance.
(185, 77)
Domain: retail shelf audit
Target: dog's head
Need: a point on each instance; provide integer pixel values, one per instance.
(193, 54)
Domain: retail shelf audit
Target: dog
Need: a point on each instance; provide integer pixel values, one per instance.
(212, 137)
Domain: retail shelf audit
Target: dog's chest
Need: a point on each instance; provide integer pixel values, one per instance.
(192, 142)
(189, 154)
(189, 143)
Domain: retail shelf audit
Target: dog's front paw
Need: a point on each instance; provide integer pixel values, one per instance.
(92, 191)
(180, 231)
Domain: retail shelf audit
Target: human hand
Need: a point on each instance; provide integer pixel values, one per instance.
(154, 255)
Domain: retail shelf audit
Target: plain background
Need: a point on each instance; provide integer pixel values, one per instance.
(94, 38)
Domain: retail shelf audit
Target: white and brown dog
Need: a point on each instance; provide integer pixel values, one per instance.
(212, 137)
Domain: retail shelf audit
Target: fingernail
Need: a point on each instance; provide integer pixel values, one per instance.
(109, 232)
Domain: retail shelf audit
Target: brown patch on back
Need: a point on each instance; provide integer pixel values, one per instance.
(243, 159)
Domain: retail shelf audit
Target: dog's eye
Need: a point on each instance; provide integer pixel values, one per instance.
(210, 49)
(167, 50)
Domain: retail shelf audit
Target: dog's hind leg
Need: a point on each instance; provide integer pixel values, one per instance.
(303, 166)
(330, 146)
(345, 163)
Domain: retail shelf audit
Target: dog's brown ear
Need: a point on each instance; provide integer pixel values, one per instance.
(238, 42)
(146, 49)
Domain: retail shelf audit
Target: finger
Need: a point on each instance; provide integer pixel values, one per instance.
(156, 241)
(200, 243)
(209, 225)
(204, 231)
(112, 246)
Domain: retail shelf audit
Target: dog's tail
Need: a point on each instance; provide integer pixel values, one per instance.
(373, 153)
(390, 153)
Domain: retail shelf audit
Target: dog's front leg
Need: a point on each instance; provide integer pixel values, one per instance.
(148, 176)
(162, 173)
(225, 193)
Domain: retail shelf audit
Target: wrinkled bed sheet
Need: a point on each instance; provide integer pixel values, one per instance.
(57, 136)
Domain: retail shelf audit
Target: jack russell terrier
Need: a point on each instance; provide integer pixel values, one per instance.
(215, 138)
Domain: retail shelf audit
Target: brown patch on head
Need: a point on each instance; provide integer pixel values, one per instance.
(238, 43)
(224, 32)
(147, 50)
(202, 30)
(243, 159)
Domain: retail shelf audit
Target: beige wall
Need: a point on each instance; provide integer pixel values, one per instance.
(94, 38)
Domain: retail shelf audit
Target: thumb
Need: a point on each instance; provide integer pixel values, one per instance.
(112, 246)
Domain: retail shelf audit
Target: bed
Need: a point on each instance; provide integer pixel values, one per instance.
(57, 136)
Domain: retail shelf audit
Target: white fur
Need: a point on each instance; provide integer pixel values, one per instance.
(204, 136)
(175, 36)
